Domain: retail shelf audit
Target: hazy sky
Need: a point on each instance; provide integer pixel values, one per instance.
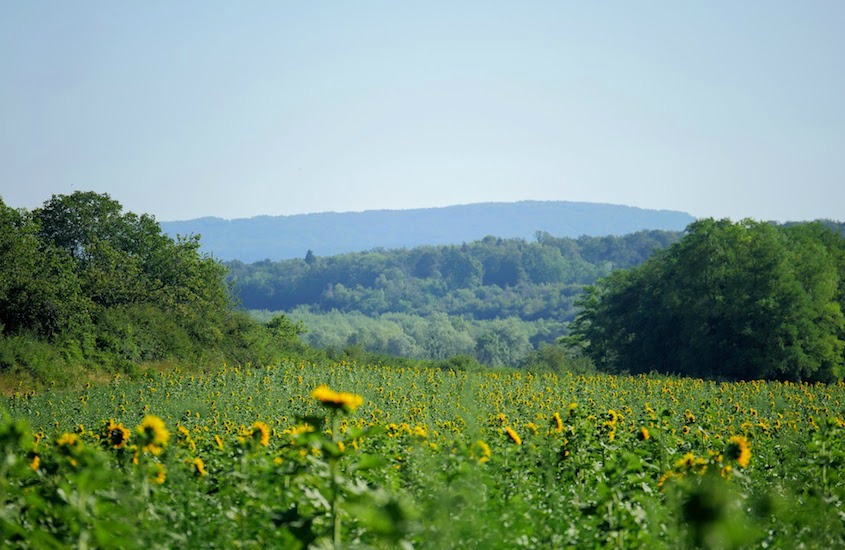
(235, 109)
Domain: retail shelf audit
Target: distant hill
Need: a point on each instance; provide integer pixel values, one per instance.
(329, 233)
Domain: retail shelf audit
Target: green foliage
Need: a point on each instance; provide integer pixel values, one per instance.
(38, 290)
(558, 359)
(500, 342)
(486, 279)
(736, 300)
(83, 283)
(494, 299)
(27, 357)
(284, 329)
(458, 363)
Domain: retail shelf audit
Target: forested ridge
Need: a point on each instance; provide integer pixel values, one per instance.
(486, 279)
(332, 233)
(500, 302)
(723, 299)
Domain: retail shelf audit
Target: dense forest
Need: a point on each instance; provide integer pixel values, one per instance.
(496, 301)
(84, 284)
(728, 300)
(487, 279)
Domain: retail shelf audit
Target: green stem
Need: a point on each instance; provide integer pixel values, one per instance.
(824, 467)
(333, 468)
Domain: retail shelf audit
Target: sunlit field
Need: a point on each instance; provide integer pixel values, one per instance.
(299, 455)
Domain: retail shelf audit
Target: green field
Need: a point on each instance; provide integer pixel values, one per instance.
(430, 459)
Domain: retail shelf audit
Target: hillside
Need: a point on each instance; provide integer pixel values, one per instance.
(494, 299)
(330, 233)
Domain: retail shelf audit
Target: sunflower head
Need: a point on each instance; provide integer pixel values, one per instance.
(114, 435)
(739, 449)
(480, 451)
(261, 433)
(154, 434)
(556, 423)
(199, 467)
(337, 400)
(159, 474)
(513, 435)
(67, 441)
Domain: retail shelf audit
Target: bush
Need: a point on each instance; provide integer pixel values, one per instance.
(38, 359)
(461, 362)
(555, 358)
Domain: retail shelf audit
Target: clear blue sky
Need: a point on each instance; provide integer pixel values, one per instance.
(235, 109)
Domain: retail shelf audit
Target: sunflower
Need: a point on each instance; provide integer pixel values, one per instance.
(557, 423)
(739, 449)
(160, 475)
(643, 434)
(337, 400)
(261, 433)
(480, 451)
(67, 441)
(513, 435)
(114, 435)
(666, 477)
(199, 467)
(154, 434)
(690, 462)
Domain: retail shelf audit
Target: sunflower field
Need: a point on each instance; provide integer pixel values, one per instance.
(329, 455)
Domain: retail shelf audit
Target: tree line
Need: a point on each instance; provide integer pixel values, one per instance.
(492, 278)
(84, 283)
(494, 301)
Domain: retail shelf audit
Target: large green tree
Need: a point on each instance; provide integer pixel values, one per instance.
(737, 300)
(39, 292)
(83, 272)
(124, 259)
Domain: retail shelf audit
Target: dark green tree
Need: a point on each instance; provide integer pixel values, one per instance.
(123, 259)
(737, 300)
(39, 292)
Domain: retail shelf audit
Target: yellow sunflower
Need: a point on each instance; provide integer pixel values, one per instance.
(480, 451)
(337, 400)
(160, 475)
(739, 449)
(154, 434)
(557, 423)
(261, 433)
(513, 435)
(199, 467)
(115, 435)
